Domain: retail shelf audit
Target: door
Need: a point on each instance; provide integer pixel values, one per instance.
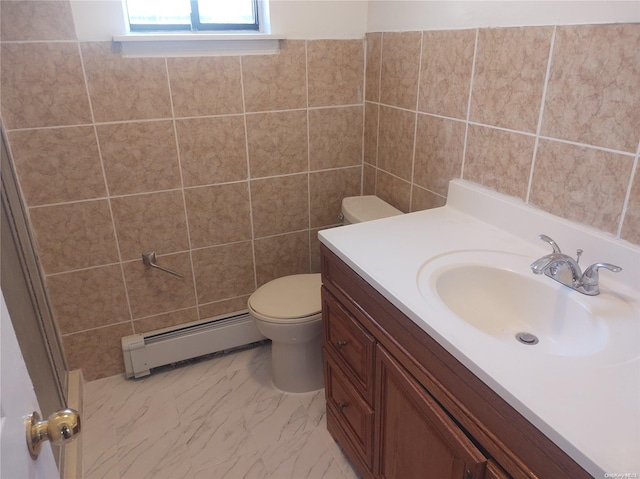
(17, 401)
(416, 436)
(25, 297)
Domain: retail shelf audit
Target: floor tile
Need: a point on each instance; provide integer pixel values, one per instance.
(216, 418)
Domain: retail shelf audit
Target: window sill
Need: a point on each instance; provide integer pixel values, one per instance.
(197, 44)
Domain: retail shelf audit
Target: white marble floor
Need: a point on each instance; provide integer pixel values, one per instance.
(220, 418)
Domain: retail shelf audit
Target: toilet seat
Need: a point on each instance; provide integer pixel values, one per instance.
(290, 299)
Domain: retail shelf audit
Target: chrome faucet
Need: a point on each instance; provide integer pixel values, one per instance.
(565, 270)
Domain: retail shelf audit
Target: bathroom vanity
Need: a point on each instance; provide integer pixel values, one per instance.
(416, 389)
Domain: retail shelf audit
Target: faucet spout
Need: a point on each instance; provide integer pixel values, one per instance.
(539, 266)
(553, 263)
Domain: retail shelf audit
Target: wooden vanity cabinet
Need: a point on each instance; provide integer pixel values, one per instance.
(416, 437)
(401, 407)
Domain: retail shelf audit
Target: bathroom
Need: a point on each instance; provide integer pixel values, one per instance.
(115, 156)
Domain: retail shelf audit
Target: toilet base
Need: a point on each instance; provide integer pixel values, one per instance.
(297, 367)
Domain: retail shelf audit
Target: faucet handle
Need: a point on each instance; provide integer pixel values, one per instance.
(590, 278)
(591, 273)
(554, 245)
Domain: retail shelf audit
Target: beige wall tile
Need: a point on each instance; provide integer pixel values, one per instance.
(139, 157)
(97, 352)
(447, 60)
(368, 179)
(499, 159)
(74, 235)
(335, 72)
(42, 85)
(224, 272)
(422, 199)
(152, 291)
(226, 306)
(212, 150)
(205, 85)
(150, 222)
(581, 184)
(278, 143)
(371, 133)
(631, 225)
(439, 151)
(218, 214)
(327, 188)
(166, 320)
(276, 82)
(57, 165)
(88, 299)
(511, 65)
(314, 248)
(400, 68)
(335, 137)
(373, 43)
(394, 191)
(125, 88)
(280, 204)
(36, 21)
(395, 141)
(594, 86)
(282, 255)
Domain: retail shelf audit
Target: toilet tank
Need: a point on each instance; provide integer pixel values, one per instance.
(356, 209)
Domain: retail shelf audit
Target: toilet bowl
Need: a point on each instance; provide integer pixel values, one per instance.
(287, 311)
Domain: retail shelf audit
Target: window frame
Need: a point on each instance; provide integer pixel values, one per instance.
(197, 26)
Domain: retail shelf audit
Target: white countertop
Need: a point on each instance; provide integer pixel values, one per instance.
(588, 405)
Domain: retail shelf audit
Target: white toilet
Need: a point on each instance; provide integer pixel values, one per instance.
(287, 310)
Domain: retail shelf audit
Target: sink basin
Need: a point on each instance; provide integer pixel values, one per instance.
(498, 295)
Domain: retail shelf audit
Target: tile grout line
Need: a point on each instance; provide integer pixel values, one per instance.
(468, 116)
(200, 117)
(364, 108)
(186, 188)
(182, 190)
(635, 170)
(415, 126)
(540, 116)
(249, 179)
(306, 80)
(375, 183)
(106, 185)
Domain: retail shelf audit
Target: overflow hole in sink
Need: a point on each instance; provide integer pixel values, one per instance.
(527, 338)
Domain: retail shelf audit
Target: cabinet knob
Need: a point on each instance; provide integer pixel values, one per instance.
(342, 406)
(341, 344)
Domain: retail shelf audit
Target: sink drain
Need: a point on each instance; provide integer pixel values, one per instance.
(527, 338)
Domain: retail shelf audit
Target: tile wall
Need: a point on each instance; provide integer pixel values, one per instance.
(226, 167)
(550, 115)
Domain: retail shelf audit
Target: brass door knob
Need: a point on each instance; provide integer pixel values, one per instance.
(61, 427)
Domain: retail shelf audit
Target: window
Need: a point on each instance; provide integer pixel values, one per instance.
(175, 15)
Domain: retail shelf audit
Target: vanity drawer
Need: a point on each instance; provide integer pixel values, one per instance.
(350, 410)
(350, 344)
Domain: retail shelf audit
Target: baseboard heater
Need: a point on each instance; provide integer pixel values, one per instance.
(143, 352)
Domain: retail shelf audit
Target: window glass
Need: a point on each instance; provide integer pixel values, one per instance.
(192, 14)
(235, 11)
(157, 12)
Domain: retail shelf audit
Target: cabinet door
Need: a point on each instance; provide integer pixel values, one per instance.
(494, 471)
(416, 437)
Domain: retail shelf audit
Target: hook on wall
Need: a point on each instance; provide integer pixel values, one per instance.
(149, 259)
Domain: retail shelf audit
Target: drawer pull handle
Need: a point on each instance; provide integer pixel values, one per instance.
(341, 344)
(342, 406)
